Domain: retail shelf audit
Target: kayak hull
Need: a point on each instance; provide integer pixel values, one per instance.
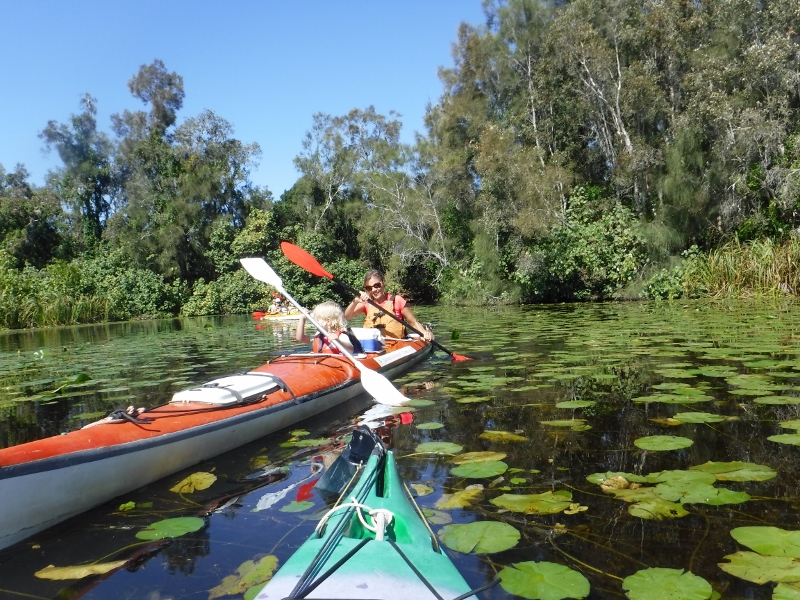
(370, 568)
(47, 481)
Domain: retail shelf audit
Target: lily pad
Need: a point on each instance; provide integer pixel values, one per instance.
(469, 457)
(430, 425)
(698, 417)
(769, 540)
(543, 581)
(419, 403)
(793, 439)
(480, 537)
(78, 571)
(546, 503)
(481, 469)
(663, 442)
(196, 481)
(502, 436)
(786, 591)
(737, 471)
(249, 574)
(171, 528)
(420, 489)
(439, 448)
(437, 517)
(297, 506)
(576, 403)
(657, 509)
(666, 584)
(462, 498)
(762, 569)
(471, 399)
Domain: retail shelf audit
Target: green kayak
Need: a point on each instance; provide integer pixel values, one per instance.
(374, 542)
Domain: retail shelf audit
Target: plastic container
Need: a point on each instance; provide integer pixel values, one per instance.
(370, 338)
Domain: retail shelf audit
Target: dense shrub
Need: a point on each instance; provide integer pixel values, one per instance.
(590, 255)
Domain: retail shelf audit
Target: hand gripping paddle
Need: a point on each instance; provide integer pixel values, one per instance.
(374, 383)
(305, 261)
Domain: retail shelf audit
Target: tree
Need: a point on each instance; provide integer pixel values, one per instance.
(30, 220)
(87, 183)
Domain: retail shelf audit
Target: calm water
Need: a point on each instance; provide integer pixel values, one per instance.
(563, 392)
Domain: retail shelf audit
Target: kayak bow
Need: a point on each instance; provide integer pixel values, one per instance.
(374, 543)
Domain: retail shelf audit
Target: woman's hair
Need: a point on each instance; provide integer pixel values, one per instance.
(374, 273)
(331, 316)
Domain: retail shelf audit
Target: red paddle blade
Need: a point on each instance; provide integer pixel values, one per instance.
(304, 260)
(459, 357)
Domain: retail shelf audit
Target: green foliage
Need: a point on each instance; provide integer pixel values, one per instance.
(84, 290)
(591, 254)
(231, 293)
(676, 282)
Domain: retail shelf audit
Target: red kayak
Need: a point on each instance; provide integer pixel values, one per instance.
(50, 480)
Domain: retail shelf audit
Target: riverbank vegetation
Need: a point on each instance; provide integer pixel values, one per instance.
(597, 149)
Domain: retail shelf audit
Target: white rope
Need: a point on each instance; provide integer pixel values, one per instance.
(380, 516)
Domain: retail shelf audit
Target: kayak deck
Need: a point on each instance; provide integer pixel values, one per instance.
(352, 554)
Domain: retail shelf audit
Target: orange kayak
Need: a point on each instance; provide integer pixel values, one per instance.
(50, 480)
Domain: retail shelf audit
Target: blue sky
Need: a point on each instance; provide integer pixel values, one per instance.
(265, 66)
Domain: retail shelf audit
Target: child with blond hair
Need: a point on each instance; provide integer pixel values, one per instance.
(331, 316)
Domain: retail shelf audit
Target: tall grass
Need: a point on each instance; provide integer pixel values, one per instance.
(759, 268)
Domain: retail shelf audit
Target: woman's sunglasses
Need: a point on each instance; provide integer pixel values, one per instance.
(375, 286)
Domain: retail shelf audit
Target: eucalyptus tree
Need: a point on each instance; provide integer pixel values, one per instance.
(87, 183)
(335, 152)
(31, 220)
(180, 182)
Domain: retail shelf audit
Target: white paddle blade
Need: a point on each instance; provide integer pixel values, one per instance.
(259, 269)
(379, 387)
(375, 384)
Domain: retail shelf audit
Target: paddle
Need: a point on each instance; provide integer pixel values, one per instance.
(374, 383)
(305, 261)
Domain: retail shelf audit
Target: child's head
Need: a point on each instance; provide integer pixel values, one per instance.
(331, 316)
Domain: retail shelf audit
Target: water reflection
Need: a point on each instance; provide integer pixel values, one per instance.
(572, 389)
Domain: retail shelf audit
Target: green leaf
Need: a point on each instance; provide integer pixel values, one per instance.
(543, 581)
(769, 540)
(792, 439)
(196, 481)
(737, 471)
(481, 537)
(666, 584)
(419, 403)
(576, 403)
(295, 506)
(421, 489)
(698, 417)
(437, 517)
(786, 591)
(249, 574)
(481, 469)
(171, 528)
(502, 436)
(439, 448)
(469, 457)
(546, 503)
(462, 498)
(430, 425)
(762, 569)
(657, 509)
(663, 442)
(78, 571)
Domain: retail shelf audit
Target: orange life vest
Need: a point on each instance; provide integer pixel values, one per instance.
(380, 320)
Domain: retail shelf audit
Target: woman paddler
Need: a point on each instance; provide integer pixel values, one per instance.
(375, 290)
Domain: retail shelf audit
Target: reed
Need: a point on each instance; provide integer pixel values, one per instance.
(754, 269)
